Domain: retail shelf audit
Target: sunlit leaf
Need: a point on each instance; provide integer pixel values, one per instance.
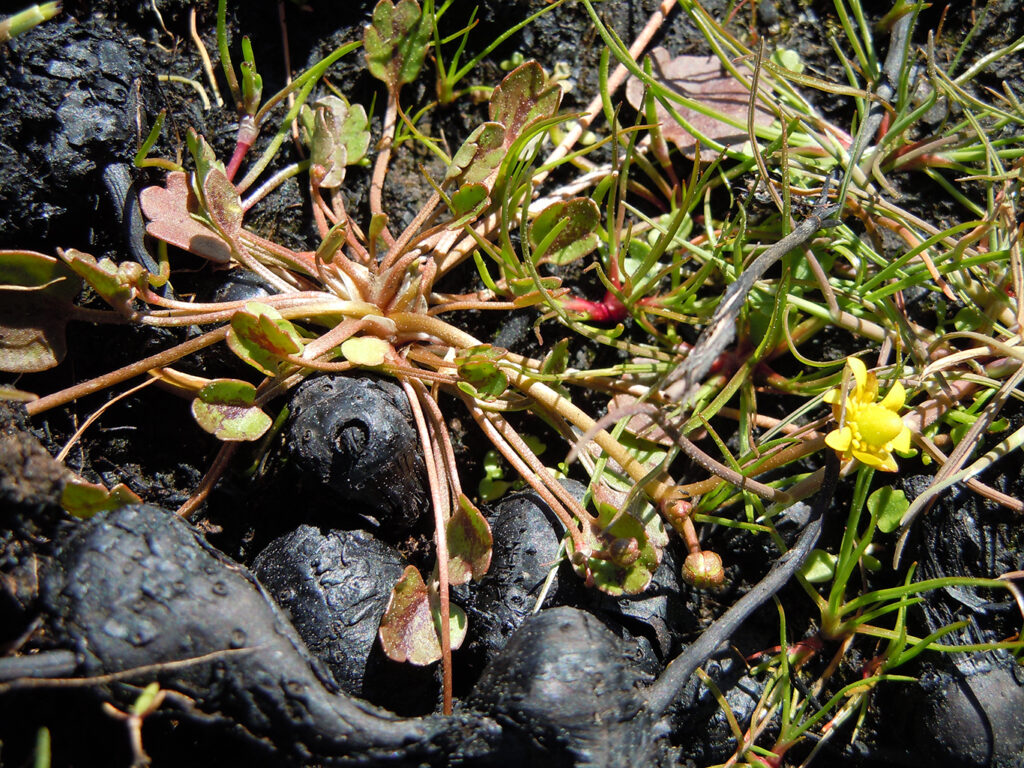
(396, 41)
(576, 237)
(226, 409)
(170, 221)
(338, 136)
(469, 544)
(83, 499)
(820, 567)
(468, 203)
(219, 201)
(116, 283)
(525, 96)
(36, 292)
(887, 505)
(479, 156)
(260, 337)
(408, 632)
(479, 373)
(628, 576)
(223, 203)
(365, 350)
(557, 359)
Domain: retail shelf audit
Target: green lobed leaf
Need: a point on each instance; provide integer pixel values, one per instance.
(365, 350)
(469, 543)
(116, 283)
(218, 198)
(609, 577)
(396, 42)
(37, 273)
(338, 136)
(36, 294)
(479, 372)
(223, 203)
(226, 409)
(479, 155)
(260, 336)
(820, 567)
(523, 97)
(577, 237)
(557, 359)
(468, 203)
(408, 629)
(887, 506)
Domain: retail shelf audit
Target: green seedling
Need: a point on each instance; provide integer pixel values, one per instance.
(18, 23)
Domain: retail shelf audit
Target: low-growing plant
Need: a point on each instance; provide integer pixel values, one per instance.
(669, 257)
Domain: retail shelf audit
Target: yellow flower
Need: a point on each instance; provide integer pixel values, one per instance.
(868, 431)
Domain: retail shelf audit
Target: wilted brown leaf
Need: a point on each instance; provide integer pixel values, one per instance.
(703, 79)
(169, 220)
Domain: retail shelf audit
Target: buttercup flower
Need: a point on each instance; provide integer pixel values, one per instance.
(868, 431)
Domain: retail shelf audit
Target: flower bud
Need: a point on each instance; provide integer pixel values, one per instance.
(624, 552)
(703, 570)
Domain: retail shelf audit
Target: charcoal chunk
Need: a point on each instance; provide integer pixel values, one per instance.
(67, 103)
(356, 434)
(139, 586)
(335, 587)
(565, 686)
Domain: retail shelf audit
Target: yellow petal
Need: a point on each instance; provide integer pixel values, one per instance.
(894, 398)
(840, 439)
(859, 371)
(888, 464)
(870, 459)
(902, 441)
(869, 392)
(833, 396)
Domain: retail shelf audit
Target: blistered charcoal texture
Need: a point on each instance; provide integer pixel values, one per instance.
(139, 586)
(973, 720)
(30, 479)
(242, 285)
(968, 708)
(700, 725)
(355, 434)
(58, 663)
(30, 486)
(959, 536)
(527, 534)
(335, 587)
(67, 103)
(564, 686)
(526, 539)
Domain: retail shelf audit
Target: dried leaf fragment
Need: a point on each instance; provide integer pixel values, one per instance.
(705, 80)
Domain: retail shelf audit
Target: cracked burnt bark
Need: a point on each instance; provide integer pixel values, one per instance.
(139, 587)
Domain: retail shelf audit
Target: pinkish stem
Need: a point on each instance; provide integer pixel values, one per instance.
(247, 133)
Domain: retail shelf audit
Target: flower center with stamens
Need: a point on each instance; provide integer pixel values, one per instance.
(876, 425)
